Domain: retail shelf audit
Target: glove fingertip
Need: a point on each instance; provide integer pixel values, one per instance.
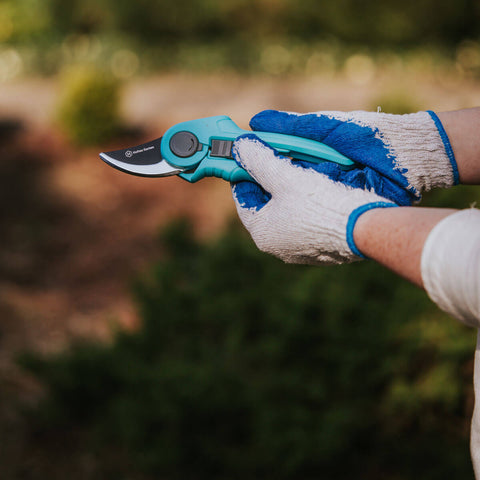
(250, 195)
(267, 121)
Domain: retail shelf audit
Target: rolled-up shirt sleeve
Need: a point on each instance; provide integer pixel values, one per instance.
(451, 265)
(451, 276)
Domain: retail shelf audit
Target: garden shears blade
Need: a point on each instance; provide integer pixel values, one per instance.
(203, 148)
(144, 160)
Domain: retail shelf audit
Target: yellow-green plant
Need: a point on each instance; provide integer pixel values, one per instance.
(89, 108)
(396, 101)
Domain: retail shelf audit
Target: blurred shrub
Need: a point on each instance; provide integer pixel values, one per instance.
(157, 28)
(387, 23)
(368, 22)
(249, 368)
(88, 110)
(397, 101)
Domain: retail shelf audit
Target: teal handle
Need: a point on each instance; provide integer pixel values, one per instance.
(304, 148)
(203, 164)
(226, 169)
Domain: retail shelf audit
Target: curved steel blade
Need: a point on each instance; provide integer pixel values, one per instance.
(144, 160)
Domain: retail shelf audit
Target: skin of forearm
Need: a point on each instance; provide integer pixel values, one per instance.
(394, 237)
(463, 130)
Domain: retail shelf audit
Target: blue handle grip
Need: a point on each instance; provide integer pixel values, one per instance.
(204, 162)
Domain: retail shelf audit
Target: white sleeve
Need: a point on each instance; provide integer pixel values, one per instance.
(451, 265)
(475, 427)
(451, 276)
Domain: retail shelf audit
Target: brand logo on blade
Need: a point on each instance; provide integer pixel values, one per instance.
(130, 153)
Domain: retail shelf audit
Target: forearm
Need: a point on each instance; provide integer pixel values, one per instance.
(395, 237)
(463, 127)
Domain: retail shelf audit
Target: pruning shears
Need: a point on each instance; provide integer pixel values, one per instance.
(203, 148)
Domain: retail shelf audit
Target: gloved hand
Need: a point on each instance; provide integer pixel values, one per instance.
(296, 212)
(399, 156)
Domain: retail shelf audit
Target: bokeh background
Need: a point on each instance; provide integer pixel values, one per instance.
(142, 336)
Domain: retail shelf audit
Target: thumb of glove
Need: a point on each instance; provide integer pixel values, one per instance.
(264, 164)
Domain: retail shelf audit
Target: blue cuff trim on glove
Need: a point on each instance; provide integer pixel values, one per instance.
(352, 220)
(447, 145)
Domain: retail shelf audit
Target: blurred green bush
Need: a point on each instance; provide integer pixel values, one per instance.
(249, 368)
(395, 101)
(368, 22)
(89, 107)
(49, 33)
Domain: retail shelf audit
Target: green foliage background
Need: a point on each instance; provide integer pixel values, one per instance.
(249, 368)
(206, 34)
(245, 367)
(390, 22)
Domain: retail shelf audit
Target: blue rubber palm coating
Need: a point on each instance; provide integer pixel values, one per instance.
(203, 164)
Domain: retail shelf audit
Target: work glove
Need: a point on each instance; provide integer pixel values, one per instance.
(295, 211)
(398, 156)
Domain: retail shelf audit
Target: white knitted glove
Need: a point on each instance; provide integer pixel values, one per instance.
(398, 156)
(301, 215)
